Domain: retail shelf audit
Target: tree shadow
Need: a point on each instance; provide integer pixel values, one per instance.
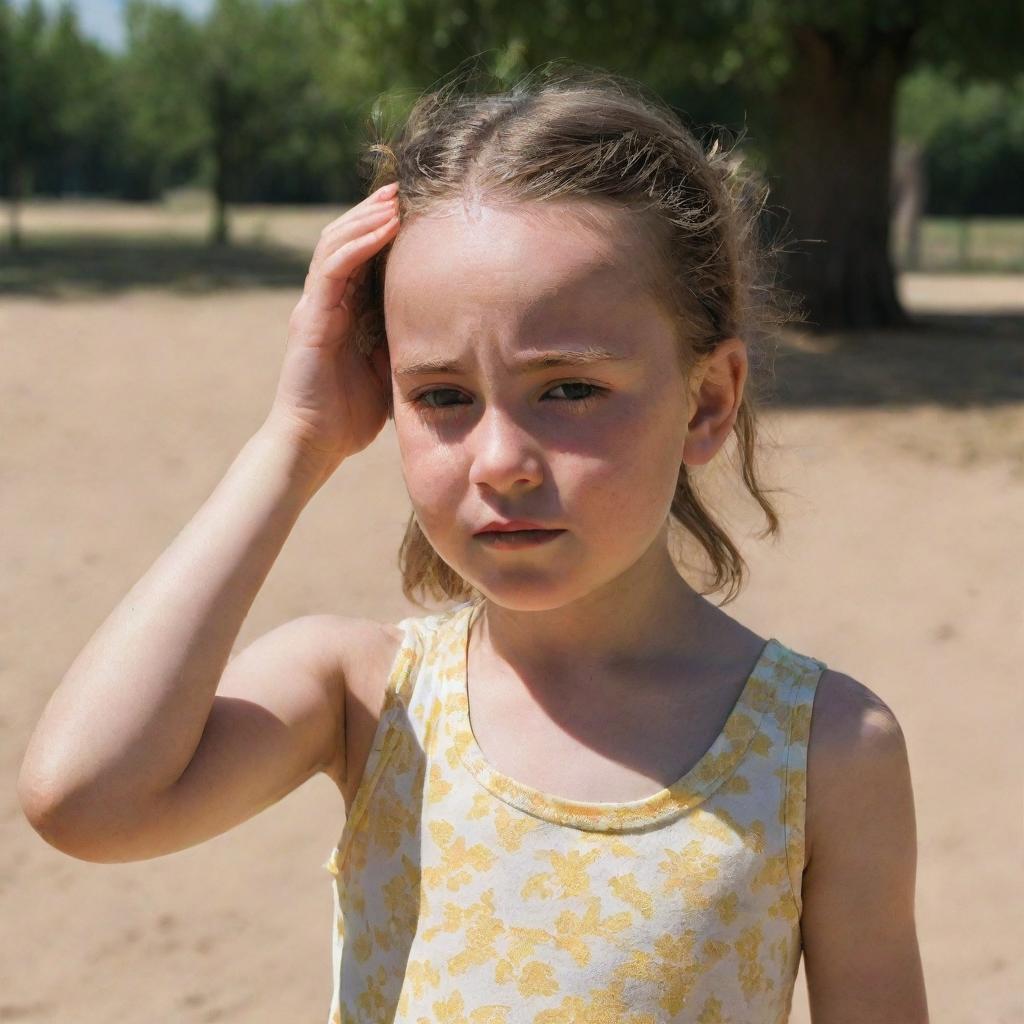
(950, 359)
(86, 266)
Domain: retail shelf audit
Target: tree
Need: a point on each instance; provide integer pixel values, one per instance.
(166, 130)
(227, 93)
(827, 108)
(87, 124)
(820, 81)
(30, 100)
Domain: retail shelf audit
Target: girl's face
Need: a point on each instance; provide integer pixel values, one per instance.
(534, 378)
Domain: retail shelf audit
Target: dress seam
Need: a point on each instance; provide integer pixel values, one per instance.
(792, 697)
(670, 810)
(795, 871)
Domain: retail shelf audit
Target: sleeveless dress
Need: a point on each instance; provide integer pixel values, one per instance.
(465, 897)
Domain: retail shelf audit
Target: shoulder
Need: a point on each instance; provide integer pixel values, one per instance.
(858, 887)
(359, 652)
(363, 650)
(856, 749)
(360, 643)
(366, 648)
(848, 713)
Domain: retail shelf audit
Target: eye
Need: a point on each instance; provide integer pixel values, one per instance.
(426, 399)
(423, 399)
(594, 392)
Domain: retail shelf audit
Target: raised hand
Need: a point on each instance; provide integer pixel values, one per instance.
(332, 400)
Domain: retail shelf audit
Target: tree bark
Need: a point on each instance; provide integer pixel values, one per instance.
(18, 182)
(830, 153)
(221, 123)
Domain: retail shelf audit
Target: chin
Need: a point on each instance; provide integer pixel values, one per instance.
(524, 589)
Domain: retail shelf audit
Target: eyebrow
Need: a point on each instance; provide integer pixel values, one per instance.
(539, 361)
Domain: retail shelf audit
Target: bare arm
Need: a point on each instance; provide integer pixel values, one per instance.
(129, 713)
(100, 778)
(859, 935)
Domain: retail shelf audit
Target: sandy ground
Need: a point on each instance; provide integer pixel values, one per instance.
(902, 457)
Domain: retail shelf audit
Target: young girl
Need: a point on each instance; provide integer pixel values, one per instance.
(582, 793)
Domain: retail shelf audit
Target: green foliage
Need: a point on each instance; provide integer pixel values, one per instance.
(287, 90)
(34, 87)
(244, 95)
(973, 142)
(165, 131)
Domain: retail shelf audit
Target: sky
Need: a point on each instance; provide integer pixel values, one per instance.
(101, 19)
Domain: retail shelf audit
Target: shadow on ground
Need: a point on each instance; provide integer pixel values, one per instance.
(955, 360)
(102, 266)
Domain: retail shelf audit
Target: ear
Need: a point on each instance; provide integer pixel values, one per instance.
(716, 391)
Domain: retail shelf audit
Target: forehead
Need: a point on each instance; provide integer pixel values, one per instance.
(525, 266)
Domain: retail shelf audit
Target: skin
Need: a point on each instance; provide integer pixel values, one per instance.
(604, 599)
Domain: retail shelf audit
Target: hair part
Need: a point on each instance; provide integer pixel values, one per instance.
(571, 132)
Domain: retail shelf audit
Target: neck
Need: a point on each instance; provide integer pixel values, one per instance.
(649, 616)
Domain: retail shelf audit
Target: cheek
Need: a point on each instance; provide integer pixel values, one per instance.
(432, 469)
(622, 493)
(641, 444)
(633, 463)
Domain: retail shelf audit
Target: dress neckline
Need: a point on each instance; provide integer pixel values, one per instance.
(717, 763)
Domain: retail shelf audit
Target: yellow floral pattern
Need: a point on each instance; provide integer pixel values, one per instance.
(462, 896)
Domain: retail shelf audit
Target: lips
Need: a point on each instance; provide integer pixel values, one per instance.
(513, 526)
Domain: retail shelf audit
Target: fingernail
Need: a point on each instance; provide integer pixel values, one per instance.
(389, 189)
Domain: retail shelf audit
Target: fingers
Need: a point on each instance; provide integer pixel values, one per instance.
(348, 230)
(358, 221)
(338, 265)
(326, 283)
(354, 223)
(383, 193)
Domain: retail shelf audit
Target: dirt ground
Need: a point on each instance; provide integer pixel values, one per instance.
(131, 380)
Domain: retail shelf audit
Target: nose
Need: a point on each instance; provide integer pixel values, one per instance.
(504, 455)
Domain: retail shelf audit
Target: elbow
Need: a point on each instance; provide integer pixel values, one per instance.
(64, 836)
(46, 818)
(42, 799)
(44, 814)
(60, 825)
(36, 801)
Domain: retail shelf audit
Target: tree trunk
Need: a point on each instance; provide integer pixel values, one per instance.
(830, 155)
(18, 181)
(219, 231)
(220, 119)
(910, 189)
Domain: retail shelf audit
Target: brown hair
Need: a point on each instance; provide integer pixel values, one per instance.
(573, 132)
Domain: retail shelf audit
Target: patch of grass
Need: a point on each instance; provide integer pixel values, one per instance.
(971, 245)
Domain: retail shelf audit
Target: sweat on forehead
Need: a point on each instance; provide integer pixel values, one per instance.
(525, 255)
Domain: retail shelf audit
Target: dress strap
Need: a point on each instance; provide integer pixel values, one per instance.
(402, 677)
(798, 701)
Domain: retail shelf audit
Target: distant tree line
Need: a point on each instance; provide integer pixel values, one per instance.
(246, 104)
(268, 100)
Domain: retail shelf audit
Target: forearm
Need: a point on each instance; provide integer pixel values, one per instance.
(129, 713)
